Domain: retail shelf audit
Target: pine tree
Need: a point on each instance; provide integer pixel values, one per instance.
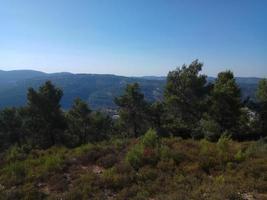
(262, 98)
(45, 122)
(132, 110)
(185, 98)
(80, 122)
(10, 128)
(226, 102)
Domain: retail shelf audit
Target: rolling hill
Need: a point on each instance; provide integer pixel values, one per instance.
(98, 90)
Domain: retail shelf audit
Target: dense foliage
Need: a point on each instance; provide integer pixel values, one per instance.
(48, 152)
(98, 90)
(262, 96)
(185, 99)
(192, 107)
(133, 110)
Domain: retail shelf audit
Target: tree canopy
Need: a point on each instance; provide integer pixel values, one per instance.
(132, 110)
(191, 107)
(185, 97)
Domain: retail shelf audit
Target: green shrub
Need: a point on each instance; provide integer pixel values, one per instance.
(166, 154)
(14, 172)
(146, 151)
(210, 129)
(135, 156)
(223, 143)
(256, 149)
(108, 174)
(240, 156)
(150, 139)
(223, 148)
(177, 156)
(219, 179)
(206, 147)
(207, 156)
(115, 181)
(147, 174)
(52, 163)
(15, 153)
(79, 151)
(41, 163)
(119, 143)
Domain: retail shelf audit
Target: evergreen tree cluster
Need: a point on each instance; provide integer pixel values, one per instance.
(42, 123)
(191, 107)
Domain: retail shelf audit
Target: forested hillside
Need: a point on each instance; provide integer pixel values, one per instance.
(200, 140)
(97, 90)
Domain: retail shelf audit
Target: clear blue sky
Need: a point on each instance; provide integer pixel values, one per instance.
(134, 37)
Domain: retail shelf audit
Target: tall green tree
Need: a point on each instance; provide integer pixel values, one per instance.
(85, 125)
(80, 122)
(262, 91)
(45, 121)
(185, 98)
(132, 110)
(10, 128)
(226, 102)
(262, 98)
(156, 116)
(101, 125)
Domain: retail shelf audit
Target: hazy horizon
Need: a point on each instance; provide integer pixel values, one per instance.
(134, 38)
(137, 76)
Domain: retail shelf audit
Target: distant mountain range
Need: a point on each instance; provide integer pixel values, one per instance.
(99, 90)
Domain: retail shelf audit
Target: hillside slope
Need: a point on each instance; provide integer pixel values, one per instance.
(138, 169)
(96, 89)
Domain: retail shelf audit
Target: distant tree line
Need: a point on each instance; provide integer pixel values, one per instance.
(191, 107)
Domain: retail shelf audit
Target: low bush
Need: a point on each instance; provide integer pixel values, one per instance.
(53, 163)
(150, 139)
(147, 173)
(169, 169)
(207, 156)
(256, 149)
(145, 152)
(14, 173)
(107, 161)
(223, 148)
(115, 181)
(15, 153)
(211, 129)
(83, 149)
(167, 153)
(135, 156)
(240, 155)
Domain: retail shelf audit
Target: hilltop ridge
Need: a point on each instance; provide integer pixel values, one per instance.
(98, 90)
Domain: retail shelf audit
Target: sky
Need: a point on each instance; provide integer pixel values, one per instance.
(134, 37)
